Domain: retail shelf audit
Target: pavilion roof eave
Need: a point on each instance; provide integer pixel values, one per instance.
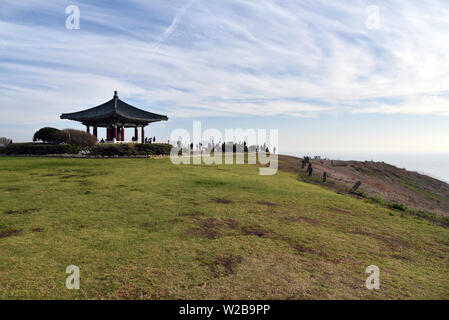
(112, 117)
(162, 118)
(114, 111)
(127, 124)
(122, 121)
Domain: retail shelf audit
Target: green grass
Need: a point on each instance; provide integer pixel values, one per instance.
(147, 229)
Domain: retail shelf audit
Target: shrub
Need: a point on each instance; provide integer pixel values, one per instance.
(41, 149)
(376, 200)
(120, 149)
(124, 149)
(79, 138)
(397, 206)
(153, 148)
(49, 135)
(357, 193)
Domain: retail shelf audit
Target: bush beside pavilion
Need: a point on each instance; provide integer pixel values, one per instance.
(48, 141)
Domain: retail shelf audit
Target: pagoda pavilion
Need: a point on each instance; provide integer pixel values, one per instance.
(115, 115)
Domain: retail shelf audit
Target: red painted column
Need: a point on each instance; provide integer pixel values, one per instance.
(87, 129)
(123, 133)
(136, 134)
(143, 134)
(95, 132)
(115, 132)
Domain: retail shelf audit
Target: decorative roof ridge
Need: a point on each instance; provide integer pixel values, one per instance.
(116, 99)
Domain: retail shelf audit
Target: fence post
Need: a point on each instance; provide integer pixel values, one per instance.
(357, 185)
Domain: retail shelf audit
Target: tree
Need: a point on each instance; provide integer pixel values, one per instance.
(49, 135)
(5, 141)
(79, 138)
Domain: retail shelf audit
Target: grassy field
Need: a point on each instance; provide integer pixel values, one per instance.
(147, 229)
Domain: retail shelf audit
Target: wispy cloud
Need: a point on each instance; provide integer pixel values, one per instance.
(295, 58)
(181, 12)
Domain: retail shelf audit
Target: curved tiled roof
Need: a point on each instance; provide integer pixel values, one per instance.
(114, 111)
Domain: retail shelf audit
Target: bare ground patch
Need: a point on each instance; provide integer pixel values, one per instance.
(192, 214)
(221, 200)
(68, 176)
(299, 248)
(10, 233)
(193, 202)
(213, 228)
(231, 223)
(22, 211)
(149, 225)
(388, 240)
(37, 230)
(328, 255)
(226, 265)
(337, 210)
(400, 257)
(255, 231)
(129, 291)
(302, 219)
(266, 203)
(209, 228)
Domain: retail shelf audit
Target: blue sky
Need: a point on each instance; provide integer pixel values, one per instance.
(310, 68)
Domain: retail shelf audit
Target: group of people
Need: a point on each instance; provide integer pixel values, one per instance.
(135, 139)
(149, 140)
(222, 146)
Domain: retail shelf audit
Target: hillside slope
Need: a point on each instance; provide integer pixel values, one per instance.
(148, 229)
(380, 180)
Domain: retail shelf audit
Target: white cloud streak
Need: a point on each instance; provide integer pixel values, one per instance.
(295, 58)
(181, 12)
